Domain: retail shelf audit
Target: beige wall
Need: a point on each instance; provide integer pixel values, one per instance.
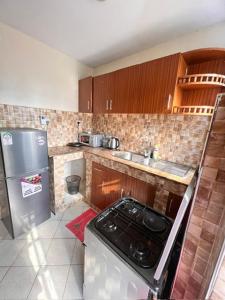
(209, 37)
(35, 75)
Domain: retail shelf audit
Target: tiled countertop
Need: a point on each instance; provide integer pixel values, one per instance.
(62, 150)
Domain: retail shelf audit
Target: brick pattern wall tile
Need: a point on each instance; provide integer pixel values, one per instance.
(181, 138)
(62, 127)
(206, 230)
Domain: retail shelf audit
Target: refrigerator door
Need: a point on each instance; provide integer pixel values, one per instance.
(28, 201)
(24, 150)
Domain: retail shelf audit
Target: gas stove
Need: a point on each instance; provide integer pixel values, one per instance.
(136, 233)
(132, 251)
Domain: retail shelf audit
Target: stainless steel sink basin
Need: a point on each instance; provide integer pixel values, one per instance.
(165, 166)
(123, 154)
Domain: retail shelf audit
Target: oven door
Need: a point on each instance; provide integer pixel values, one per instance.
(106, 276)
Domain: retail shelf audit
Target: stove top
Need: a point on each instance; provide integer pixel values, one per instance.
(136, 230)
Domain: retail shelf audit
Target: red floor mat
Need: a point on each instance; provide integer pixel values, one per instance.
(77, 226)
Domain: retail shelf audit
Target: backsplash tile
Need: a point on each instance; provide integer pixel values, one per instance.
(62, 127)
(181, 138)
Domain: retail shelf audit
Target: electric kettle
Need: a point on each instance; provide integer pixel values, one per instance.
(113, 143)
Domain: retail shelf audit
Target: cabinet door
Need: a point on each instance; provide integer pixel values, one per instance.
(98, 190)
(85, 95)
(127, 90)
(158, 80)
(142, 191)
(106, 186)
(103, 93)
(173, 205)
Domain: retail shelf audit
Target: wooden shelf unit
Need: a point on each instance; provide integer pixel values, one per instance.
(196, 81)
(193, 110)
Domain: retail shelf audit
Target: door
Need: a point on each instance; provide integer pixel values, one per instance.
(106, 186)
(127, 90)
(98, 192)
(144, 192)
(24, 150)
(103, 93)
(173, 204)
(28, 200)
(158, 80)
(85, 95)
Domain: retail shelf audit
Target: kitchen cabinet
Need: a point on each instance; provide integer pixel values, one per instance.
(173, 204)
(158, 86)
(144, 88)
(106, 186)
(126, 90)
(109, 185)
(158, 81)
(85, 95)
(103, 93)
(138, 189)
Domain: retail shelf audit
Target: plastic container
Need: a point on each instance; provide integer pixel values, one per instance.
(73, 184)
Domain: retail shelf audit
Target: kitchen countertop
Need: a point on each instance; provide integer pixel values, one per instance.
(62, 150)
(106, 153)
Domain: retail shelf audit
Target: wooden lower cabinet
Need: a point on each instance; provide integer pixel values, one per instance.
(142, 191)
(173, 205)
(109, 185)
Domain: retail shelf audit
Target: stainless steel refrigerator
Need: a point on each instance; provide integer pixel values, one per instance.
(24, 179)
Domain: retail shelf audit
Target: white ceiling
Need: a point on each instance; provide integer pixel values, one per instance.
(96, 32)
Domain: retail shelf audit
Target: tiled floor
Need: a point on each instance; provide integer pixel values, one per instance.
(46, 263)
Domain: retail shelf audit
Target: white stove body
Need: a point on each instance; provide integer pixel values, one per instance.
(107, 277)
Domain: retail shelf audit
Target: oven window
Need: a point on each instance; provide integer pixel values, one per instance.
(85, 139)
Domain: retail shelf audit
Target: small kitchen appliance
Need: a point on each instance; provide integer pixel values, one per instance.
(24, 179)
(134, 251)
(91, 139)
(110, 142)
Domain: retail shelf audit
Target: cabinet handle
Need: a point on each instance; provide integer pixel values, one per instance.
(107, 104)
(88, 105)
(169, 102)
(110, 104)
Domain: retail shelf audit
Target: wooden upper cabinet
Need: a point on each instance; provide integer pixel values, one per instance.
(85, 95)
(126, 90)
(103, 93)
(158, 81)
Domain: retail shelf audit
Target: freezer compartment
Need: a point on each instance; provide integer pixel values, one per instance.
(24, 150)
(29, 201)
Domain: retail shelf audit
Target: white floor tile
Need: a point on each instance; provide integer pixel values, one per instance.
(50, 283)
(57, 216)
(34, 253)
(82, 204)
(45, 230)
(60, 252)
(17, 283)
(4, 234)
(72, 212)
(9, 249)
(3, 271)
(74, 285)
(78, 254)
(63, 232)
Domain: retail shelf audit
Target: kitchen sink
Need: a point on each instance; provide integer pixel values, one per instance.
(162, 165)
